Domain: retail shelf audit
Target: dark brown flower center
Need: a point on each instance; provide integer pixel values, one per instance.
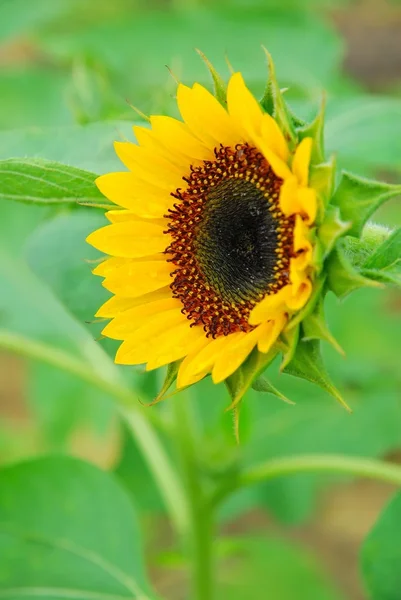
(231, 242)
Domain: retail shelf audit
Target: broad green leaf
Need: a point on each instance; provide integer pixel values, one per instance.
(33, 97)
(358, 198)
(364, 131)
(342, 277)
(88, 147)
(282, 570)
(58, 254)
(390, 275)
(387, 253)
(39, 181)
(381, 554)
(68, 529)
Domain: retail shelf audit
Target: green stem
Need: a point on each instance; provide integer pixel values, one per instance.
(131, 410)
(201, 538)
(330, 463)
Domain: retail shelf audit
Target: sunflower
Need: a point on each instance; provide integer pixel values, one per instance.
(210, 253)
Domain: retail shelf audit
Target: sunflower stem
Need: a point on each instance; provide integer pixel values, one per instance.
(136, 417)
(200, 541)
(325, 463)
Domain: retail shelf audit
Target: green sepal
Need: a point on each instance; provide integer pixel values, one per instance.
(314, 327)
(358, 198)
(240, 382)
(261, 384)
(332, 228)
(289, 338)
(322, 179)
(273, 100)
(342, 276)
(171, 376)
(391, 275)
(315, 130)
(309, 306)
(220, 87)
(307, 363)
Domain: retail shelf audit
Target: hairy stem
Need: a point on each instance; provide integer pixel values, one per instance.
(130, 409)
(329, 463)
(200, 542)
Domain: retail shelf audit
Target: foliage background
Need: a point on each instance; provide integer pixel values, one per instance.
(69, 71)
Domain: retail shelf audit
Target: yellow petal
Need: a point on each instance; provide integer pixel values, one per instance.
(244, 109)
(174, 344)
(149, 166)
(130, 239)
(280, 168)
(186, 375)
(270, 332)
(200, 363)
(274, 137)
(270, 307)
(124, 324)
(308, 202)
(109, 265)
(148, 139)
(116, 305)
(121, 215)
(234, 355)
(138, 347)
(176, 136)
(301, 234)
(137, 278)
(301, 160)
(205, 117)
(300, 295)
(128, 191)
(288, 200)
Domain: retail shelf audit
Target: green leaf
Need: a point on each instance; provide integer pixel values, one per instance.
(342, 277)
(387, 253)
(282, 569)
(381, 554)
(58, 254)
(307, 364)
(88, 147)
(68, 529)
(390, 275)
(46, 182)
(332, 228)
(364, 131)
(359, 198)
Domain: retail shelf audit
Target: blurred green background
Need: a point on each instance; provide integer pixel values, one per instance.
(69, 71)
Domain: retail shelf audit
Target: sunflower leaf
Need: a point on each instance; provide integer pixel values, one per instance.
(358, 198)
(241, 381)
(40, 181)
(307, 363)
(388, 253)
(315, 327)
(275, 97)
(391, 275)
(343, 277)
(261, 384)
(332, 228)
